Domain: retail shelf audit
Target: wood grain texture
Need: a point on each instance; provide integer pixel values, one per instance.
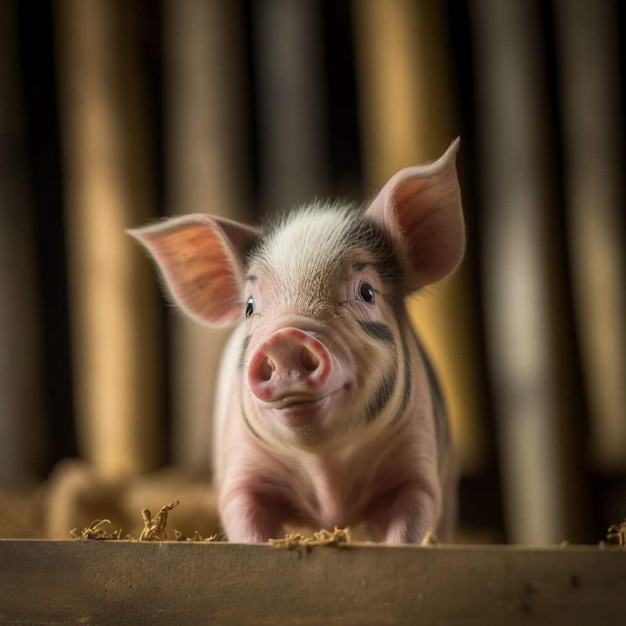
(172, 583)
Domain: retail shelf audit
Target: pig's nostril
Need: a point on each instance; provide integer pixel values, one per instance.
(310, 362)
(267, 369)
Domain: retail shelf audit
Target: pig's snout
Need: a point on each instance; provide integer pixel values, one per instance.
(289, 363)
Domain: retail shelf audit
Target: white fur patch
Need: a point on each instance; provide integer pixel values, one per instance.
(315, 233)
(307, 249)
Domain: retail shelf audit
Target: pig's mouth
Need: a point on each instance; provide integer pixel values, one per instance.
(298, 403)
(301, 406)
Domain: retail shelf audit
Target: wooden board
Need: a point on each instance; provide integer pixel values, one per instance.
(92, 582)
(108, 188)
(206, 172)
(529, 354)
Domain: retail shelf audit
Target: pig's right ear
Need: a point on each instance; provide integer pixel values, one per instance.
(420, 209)
(201, 260)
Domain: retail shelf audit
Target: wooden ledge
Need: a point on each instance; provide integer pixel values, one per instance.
(118, 582)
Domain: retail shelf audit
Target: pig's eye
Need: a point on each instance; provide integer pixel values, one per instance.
(250, 306)
(366, 293)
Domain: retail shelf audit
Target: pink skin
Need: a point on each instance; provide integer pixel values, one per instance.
(388, 481)
(289, 367)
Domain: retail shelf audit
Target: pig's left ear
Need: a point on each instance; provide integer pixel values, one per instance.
(201, 261)
(420, 209)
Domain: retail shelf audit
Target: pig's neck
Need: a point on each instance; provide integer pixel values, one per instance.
(342, 483)
(328, 490)
(333, 483)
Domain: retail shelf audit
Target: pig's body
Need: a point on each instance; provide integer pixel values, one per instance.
(349, 485)
(328, 413)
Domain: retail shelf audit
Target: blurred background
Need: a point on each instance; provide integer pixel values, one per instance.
(117, 112)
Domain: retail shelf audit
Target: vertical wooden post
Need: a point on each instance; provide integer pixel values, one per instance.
(108, 190)
(535, 431)
(20, 410)
(207, 172)
(587, 40)
(408, 118)
(292, 123)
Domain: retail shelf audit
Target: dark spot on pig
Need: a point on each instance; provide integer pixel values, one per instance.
(242, 354)
(406, 393)
(368, 235)
(381, 396)
(574, 581)
(406, 355)
(377, 330)
(439, 404)
(251, 250)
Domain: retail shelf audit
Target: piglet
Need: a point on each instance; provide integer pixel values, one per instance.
(328, 412)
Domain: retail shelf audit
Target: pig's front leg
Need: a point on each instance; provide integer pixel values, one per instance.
(251, 517)
(409, 516)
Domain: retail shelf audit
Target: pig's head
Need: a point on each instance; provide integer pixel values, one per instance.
(321, 295)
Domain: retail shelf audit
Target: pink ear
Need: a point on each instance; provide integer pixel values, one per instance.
(201, 260)
(420, 208)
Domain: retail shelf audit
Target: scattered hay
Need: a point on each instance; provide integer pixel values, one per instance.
(338, 537)
(196, 536)
(155, 529)
(95, 530)
(430, 539)
(77, 493)
(616, 534)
